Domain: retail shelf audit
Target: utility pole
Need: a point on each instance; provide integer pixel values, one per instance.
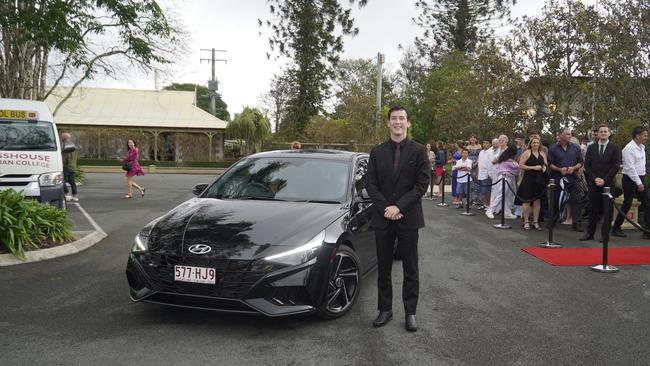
(213, 84)
(380, 61)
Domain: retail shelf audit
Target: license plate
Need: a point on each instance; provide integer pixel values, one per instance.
(195, 274)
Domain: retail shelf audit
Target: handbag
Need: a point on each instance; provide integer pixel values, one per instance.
(127, 166)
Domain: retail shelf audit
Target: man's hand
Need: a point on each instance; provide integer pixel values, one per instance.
(392, 213)
(564, 170)
(640, 188)
(570, 170)
(599, 182)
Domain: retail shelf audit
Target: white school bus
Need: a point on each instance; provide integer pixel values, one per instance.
(30, 151)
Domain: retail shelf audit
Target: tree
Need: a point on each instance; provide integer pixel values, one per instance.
(326, 130)
(466, 95)
(203, 100)
(623, 62)
(250, 125)
(276, 100)
(456, 24)
(47, 41)
(305, 31)
(585, 65)
(355, 98)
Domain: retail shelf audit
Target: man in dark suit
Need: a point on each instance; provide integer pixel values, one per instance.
(398, 176)
(602, 161)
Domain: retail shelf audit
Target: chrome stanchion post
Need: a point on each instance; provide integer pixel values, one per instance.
(551, 216)
(442, 191)
(503, 225)
(467, 191)
(607, 224)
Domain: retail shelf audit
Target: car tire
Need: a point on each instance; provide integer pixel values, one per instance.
(343, 284)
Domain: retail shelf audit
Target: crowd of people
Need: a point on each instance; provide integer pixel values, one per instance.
(581, 169)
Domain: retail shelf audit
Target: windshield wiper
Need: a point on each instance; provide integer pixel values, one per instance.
(32, 147)
(318, 201)
(257, 198)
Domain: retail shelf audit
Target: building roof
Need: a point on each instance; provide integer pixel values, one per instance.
(131, 108)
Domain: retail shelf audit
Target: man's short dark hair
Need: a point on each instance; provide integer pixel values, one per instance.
(636, 131)
(398, 107)
(601, 126)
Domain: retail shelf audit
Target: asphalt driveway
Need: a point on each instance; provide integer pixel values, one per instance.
(482, 301)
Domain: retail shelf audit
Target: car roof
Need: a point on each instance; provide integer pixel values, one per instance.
(310, 154)
(39, 107)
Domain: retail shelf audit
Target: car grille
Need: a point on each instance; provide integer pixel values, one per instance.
(234, 277)
(13, 184)
(199, 302)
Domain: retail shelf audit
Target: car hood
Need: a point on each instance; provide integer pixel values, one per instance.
(239, 229)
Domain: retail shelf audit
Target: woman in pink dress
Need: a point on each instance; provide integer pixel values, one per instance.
(133, 157)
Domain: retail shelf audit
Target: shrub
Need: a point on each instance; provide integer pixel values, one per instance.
(26, 224)
(79, 176)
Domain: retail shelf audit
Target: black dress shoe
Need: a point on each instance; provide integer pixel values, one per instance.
(411, 325)
(586, 237)
(576, 227)
(618, 232)
(383, 318)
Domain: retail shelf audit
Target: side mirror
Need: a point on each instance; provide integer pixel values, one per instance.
(199, 188)
(69, 147)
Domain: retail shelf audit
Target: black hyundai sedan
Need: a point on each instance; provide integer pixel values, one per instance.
(279, 233)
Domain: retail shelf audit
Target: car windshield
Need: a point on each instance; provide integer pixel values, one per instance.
(284, 179)
(27, 135)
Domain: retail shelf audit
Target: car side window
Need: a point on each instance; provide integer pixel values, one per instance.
(360, 169)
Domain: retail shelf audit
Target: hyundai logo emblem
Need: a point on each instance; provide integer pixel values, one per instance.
(200, 249)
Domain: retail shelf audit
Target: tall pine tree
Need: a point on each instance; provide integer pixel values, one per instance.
(456, 24)
(310, 33)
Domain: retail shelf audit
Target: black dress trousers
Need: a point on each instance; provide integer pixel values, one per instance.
(407, 246)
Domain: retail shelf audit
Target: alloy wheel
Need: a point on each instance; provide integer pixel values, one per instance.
(343, 283)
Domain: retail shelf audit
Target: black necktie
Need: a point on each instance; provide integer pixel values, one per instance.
(396, 160)
(602, 149)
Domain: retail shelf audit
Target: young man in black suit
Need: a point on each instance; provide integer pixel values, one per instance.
(398, 176)
(602, 161)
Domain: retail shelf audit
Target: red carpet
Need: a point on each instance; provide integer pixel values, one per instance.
(591, 256)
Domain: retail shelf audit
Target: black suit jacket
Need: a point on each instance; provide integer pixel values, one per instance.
(604, 167)
(403, 189)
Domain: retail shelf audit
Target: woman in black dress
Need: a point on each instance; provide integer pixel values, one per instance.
(533, 163)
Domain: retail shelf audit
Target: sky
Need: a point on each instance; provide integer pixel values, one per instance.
(232, 26)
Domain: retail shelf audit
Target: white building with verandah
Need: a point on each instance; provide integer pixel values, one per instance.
(166, 124)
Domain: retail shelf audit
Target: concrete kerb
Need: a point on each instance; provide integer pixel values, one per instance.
(85, 239)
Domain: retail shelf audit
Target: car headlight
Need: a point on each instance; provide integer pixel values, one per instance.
(301, 254)
(141, 241)
(50, 179)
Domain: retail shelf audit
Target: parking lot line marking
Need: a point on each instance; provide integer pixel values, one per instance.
(90, 219)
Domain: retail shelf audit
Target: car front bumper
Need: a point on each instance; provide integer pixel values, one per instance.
(258, 287)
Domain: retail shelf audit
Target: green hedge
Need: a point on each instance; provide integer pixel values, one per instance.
(171, 164)
(26, 224)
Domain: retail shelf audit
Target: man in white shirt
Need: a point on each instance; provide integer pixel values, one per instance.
(495, 193)
(634, 179)
(483, 177)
